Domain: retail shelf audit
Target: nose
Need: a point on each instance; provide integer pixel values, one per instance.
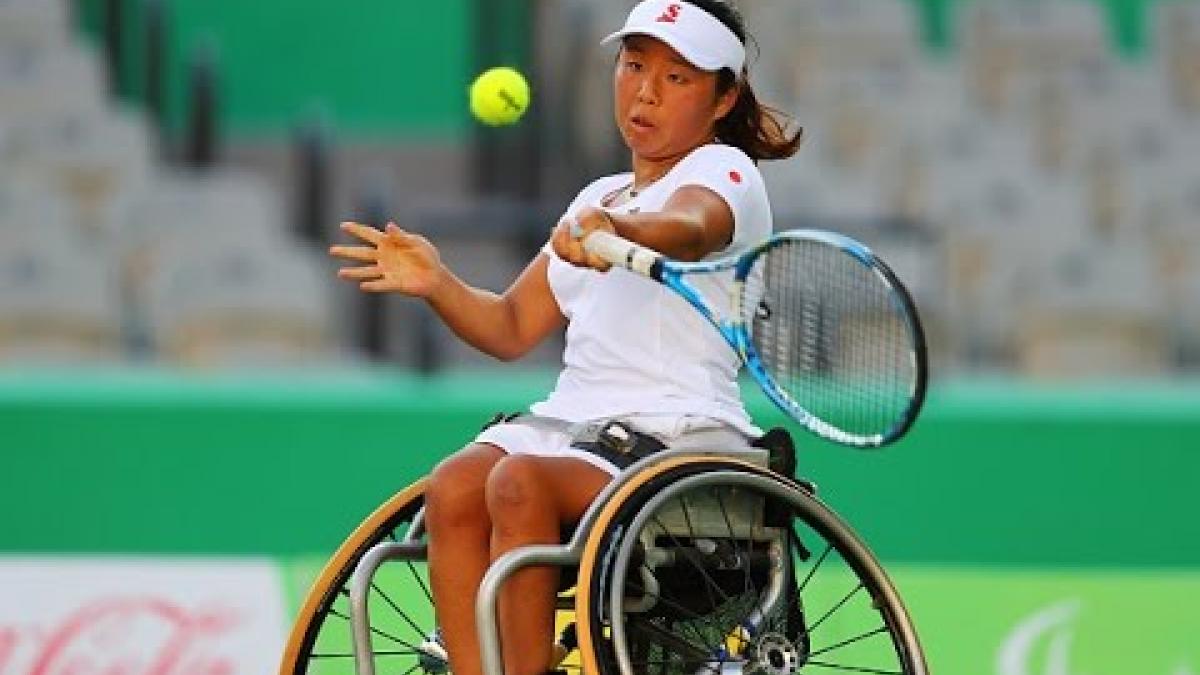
(647, 92)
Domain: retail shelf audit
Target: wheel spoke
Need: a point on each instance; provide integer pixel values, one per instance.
(396, 608)
(376, 631)
(420, 581)
(849, 641)
(678, 607)
(815, 566)
(710, 583)
(836, 607)
(684, 649)
(748, 583)
(854, 669)
(351, 655)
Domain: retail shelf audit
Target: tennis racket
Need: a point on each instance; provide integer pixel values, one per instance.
(821, 323)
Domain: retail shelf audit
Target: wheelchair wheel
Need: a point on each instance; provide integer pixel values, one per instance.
(716, 566)
(401, 607)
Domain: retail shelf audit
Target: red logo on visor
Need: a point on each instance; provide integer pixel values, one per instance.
(672, 13)
(735, 177)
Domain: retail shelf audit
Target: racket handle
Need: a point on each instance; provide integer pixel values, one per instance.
(622, 252)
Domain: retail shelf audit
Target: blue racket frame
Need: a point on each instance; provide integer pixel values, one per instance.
(736, 333)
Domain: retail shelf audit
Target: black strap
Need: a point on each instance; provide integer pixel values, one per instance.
(500, 418)
(611, 440)
(620, 445)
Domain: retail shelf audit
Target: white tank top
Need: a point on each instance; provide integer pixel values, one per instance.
(634, 346)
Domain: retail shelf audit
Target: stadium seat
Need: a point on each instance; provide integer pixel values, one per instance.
(38, 23)
(1097, 314)
(238, 305)
(58, 300)
(1004, 42)
(1175, 25)
(184, 210)
(36, 81)
(818, 46)
(93, 160)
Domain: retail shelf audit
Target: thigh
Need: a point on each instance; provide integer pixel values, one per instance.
(573, 483)
(458, 481)
(525, 485)
(474, 459)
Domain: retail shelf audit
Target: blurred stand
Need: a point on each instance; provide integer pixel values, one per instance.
(1031, 180)
(374, 210)
(114, 46)
(313, 160)
(202, 132)
(156, 38)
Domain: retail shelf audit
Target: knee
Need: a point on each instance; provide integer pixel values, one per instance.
(455, 496)
(515, 489)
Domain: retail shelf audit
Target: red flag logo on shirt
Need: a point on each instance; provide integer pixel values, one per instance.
(735, 177)
(672, 13)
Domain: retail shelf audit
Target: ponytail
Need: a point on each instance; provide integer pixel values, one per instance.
(758, 130)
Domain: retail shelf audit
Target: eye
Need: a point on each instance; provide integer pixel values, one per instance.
(635, 66)
(677, 78)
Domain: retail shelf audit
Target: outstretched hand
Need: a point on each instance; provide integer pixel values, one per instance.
(567, 239)
(395, 261)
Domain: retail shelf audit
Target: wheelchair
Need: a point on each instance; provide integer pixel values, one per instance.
(688, 562)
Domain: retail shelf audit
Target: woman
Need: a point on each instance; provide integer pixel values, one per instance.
(634, 351)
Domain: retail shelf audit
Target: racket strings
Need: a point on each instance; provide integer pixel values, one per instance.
(830, 333)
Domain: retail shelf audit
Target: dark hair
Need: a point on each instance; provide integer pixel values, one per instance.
(758, 130)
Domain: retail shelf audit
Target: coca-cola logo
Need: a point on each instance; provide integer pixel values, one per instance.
(123, 636)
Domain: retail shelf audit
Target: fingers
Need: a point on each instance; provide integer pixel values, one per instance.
(570, 248)
(364, 232)
(591, 219)
(588, 220)
(376, 286)
(359, 253)
(560, 240)
(368, 273)
(597, 263)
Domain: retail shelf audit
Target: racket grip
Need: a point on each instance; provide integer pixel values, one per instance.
(621, 252)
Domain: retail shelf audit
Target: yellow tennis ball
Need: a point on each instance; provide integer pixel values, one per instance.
(499, 96)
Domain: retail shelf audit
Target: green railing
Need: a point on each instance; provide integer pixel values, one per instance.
(999, 473)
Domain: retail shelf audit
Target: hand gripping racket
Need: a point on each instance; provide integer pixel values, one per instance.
(821, 323)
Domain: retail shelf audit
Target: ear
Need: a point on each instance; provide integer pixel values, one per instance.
(727, 101)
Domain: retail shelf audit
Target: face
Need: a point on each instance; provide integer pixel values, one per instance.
(664, 106)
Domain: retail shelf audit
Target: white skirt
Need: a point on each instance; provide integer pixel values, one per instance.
(676, 431)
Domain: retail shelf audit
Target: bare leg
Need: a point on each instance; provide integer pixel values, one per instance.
(459, 530)
(528, 499)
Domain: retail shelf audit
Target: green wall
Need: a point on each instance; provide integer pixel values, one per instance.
(996, 473)
(371, 67)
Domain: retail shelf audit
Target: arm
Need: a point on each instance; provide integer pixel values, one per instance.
(694, 222)
(505, 326)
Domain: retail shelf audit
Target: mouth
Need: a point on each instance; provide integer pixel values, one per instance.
(640, 123)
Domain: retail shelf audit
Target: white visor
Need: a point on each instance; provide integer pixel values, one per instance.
(697, 35)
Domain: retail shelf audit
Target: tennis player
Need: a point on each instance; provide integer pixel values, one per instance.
(635, 352)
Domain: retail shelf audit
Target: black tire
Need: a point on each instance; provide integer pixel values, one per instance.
(837, 610)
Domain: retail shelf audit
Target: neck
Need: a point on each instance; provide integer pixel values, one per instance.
(646, 170)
